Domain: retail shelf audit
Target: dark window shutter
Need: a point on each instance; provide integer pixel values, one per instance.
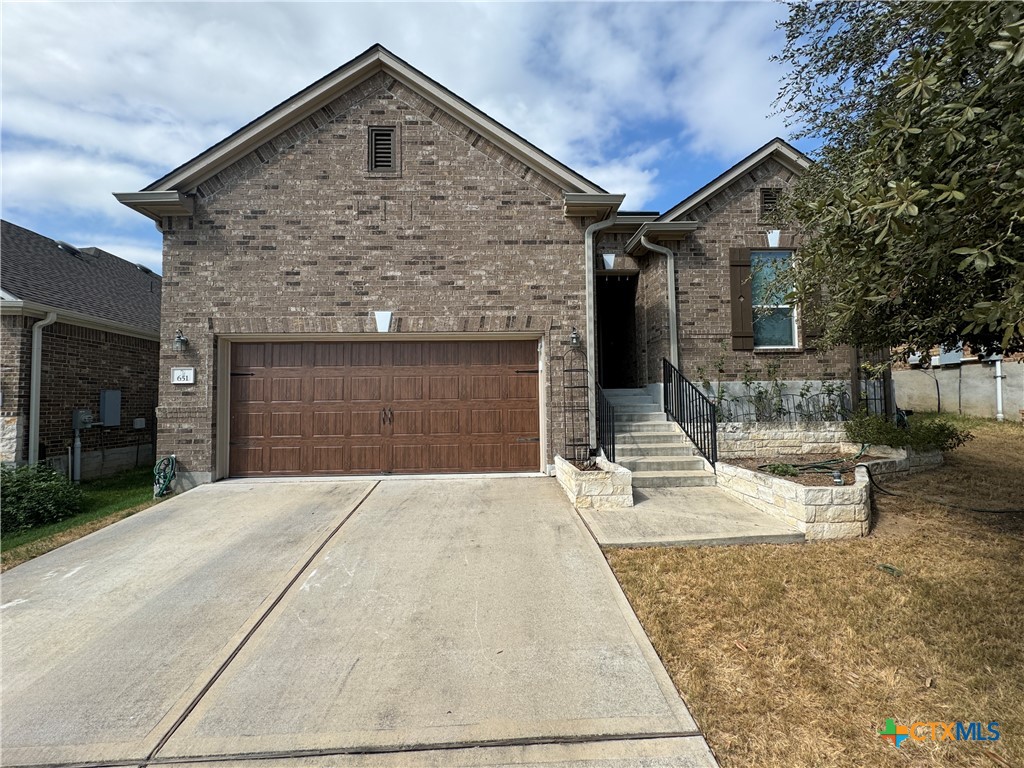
(815, 330)
(741, 300)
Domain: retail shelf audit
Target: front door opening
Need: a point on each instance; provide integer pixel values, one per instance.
(617, 343)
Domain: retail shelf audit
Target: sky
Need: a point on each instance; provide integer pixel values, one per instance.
(650, 99)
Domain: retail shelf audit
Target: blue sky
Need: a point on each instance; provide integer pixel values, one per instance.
(651, 99)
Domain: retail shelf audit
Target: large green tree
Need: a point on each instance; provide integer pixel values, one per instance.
(913, 210)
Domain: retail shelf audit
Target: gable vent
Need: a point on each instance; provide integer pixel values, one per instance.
(769, 201)
(382, 149)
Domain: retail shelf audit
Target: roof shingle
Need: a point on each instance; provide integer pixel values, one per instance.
(34, 268)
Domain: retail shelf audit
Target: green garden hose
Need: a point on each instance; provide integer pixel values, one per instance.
(163, 474)
(829, 465)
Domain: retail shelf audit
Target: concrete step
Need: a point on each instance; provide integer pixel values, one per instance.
(667, 448)
(648, 427)
(637, 408)
(659, 463)
(680, 479)
(610, 393)
(623, 418)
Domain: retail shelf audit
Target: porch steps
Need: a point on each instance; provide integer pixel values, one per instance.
(654, 449)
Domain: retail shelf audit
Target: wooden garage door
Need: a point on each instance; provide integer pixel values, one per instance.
(331, 408)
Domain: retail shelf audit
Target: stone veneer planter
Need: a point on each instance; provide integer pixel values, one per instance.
(821, 512)
(609, 487)
(756, 438)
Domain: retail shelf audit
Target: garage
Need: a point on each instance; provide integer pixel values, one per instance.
(403, 407)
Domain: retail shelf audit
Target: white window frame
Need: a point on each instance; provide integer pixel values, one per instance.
(755, 307)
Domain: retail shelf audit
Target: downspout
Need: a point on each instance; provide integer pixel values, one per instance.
(34, 385)
(588, 240)
(673, 325)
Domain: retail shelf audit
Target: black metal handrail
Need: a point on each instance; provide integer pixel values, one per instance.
(688, 407)
(605, 424)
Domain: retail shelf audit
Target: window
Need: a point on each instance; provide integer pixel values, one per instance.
(382, 150)
(769, 201)
(774, 321)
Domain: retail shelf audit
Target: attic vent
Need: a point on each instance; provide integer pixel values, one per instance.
(769, 201)
(69, 249)
(382, 149)
(145, 269)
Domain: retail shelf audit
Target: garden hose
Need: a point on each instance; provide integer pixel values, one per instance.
(933, 500)
(163, 474)
(827, 466)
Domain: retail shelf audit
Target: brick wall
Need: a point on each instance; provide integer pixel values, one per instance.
(298, 237)
(77, 363)
(15, 357)
(730, 219)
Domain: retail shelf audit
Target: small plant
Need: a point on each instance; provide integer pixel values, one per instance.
(34, 496)
(782, 470)
(922, 436)
(766, 398)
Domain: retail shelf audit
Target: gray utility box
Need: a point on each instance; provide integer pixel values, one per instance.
(110, 407)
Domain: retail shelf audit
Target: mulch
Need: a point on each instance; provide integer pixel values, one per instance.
(805, 477)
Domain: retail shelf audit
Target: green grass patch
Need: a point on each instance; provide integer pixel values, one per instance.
(100, 498)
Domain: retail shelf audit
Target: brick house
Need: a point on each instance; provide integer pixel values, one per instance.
(93, 320)
(374, 276)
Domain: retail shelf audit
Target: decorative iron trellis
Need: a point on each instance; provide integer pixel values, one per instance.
(575, 401)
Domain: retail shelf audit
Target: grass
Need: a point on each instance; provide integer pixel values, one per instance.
(104, 501)
(795, 655)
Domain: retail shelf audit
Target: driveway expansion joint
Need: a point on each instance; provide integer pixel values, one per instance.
(252, 631)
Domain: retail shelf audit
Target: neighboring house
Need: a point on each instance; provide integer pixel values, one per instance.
(375, 276)
(93, 321)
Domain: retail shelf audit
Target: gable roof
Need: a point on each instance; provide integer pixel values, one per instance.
(89, 282)
(785, 153)
(377, 58)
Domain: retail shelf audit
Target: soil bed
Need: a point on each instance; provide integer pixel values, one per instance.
(804, 477)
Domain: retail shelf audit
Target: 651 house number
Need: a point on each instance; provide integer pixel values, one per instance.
(183, 375)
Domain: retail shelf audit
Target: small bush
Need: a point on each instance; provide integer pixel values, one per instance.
(783, 470)
(922, 436)
(34, 496)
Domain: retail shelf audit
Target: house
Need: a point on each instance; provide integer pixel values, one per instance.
(375, 276)
(80, 332)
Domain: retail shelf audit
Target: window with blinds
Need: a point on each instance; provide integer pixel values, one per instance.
(383, 153)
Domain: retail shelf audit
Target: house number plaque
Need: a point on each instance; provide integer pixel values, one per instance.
(183, 375)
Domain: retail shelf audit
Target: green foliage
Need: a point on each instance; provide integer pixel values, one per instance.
(782, 470)
(921, 435)
(914, 210)
(34, 496)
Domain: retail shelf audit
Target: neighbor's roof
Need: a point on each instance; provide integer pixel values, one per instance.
(185, 178)
(785, 153)
(88, 281)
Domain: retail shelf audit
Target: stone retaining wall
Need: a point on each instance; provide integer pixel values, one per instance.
(772, 439)
(821, 512)
(609, 487)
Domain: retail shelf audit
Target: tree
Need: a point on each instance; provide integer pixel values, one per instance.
(913, 209)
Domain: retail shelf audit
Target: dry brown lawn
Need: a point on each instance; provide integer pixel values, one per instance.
(794, 655)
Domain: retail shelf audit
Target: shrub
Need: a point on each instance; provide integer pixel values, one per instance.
(922, 436)
(783, 470)
(34, 496)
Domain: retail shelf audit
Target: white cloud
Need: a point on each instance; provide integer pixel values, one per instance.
(107, 97)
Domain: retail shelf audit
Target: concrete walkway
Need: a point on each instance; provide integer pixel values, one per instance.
(410, 622)
(680, 517)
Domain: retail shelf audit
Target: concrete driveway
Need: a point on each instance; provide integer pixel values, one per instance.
(407, 622)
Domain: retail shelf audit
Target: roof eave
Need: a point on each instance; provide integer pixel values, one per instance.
(789, 156)
(657, 231)
(71, 317)
(157, 205)
(591, 205)
(280, 118)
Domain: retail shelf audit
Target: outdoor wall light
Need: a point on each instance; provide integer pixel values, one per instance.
(180, 341)
(574, 338)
